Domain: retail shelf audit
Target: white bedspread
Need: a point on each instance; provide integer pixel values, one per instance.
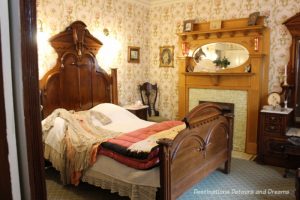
(122, 121)
(114, 169)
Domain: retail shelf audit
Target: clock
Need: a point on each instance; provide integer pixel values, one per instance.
(274, 99)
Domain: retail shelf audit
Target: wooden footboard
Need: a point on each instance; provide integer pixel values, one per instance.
(197, 151)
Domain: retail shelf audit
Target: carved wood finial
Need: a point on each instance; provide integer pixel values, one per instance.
(75, 38)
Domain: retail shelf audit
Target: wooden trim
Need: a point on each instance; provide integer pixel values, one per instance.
(255, 82)
(293, 25)
(114, 83)
(5, 181)
(230, 27)
(188, 150)
(76, 82)
(31, 100)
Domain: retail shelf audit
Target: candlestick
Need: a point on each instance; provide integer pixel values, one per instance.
(256, 44)
(285, 80)
(285, 70)
(285, 105)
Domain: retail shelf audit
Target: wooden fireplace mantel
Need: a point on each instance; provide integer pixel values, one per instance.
(216, 76)
(254, 83)
(230, 28)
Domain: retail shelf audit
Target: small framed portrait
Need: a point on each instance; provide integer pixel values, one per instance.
(133, 54)
(166, 56)
(188, 25)
(253, 18)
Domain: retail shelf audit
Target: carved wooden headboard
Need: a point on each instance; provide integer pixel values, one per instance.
(76, 82)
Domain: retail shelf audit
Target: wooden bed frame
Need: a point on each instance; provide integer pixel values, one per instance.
(77, 82)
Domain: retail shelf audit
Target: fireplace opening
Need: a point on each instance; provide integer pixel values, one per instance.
(227, 108)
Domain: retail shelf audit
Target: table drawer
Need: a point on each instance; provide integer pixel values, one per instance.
(272, 128)
(276, 146)
(273, 119)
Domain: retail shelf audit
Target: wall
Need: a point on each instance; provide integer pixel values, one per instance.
(137, 24)
(167, 18)
(127, 23)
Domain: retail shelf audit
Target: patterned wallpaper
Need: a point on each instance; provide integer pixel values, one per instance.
(167, 19)
(127, 24)
(135, 24)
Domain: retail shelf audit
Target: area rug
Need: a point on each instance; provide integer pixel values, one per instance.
(247, 181)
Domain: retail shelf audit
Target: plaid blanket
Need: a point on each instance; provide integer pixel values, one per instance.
(138, 149)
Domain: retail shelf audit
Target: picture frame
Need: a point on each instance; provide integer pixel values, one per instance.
(253, 18)
(133, 54)
(188, 25)
(215, 24)
(166, 56)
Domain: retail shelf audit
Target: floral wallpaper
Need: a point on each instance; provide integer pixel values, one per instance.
(131, 23)
(167, 19)
(127, 23)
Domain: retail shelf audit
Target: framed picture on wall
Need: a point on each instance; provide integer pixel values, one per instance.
(166, 56)
(133, 54)
(188, 25)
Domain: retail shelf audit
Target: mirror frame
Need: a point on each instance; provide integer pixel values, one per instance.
(234, 43)
(195, 44)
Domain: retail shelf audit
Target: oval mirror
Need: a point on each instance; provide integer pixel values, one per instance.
(219, 55)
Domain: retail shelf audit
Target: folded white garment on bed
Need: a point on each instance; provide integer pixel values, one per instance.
(122, 121)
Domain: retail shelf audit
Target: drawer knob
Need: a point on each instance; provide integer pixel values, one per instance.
(272, 127)
(273, 118)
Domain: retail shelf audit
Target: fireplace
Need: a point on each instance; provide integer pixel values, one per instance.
(226, 107)
(251, 85)
(234, 101)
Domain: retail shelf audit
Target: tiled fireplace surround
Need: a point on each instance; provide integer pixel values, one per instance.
(236, 97)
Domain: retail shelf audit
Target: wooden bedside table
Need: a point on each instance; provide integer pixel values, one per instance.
(140, 111)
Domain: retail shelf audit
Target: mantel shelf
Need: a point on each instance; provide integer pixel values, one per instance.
(218, 32)
(218, 74)
(215, 76)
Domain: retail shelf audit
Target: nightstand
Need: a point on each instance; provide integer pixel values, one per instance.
(139, 111)
(274, 147)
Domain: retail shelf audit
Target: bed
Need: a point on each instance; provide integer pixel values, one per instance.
(78, 83)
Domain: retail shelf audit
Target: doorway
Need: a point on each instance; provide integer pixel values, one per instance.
(32, 115)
